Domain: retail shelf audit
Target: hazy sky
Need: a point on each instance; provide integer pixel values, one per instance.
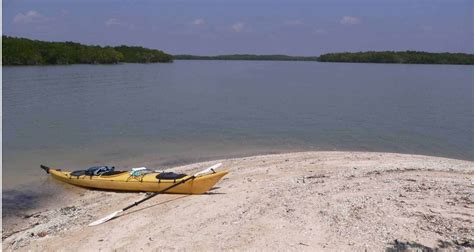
(210, 27)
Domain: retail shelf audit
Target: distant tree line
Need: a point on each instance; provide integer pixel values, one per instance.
(21, 51)
(403, 57)
(273, 57)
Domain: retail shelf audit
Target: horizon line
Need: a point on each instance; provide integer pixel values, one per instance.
(227, 54)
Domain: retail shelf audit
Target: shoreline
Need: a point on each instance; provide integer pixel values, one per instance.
(323, 62)
(169, 162)
(315, 197)
(149, 160)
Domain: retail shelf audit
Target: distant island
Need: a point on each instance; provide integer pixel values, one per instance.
(22, 51)
(273, 57)
(402, 57)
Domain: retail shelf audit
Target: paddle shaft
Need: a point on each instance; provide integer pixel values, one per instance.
(162, 191)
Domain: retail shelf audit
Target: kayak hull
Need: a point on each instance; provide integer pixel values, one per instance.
(146, 183)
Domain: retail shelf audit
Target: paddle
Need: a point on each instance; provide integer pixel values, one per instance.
(112, 215)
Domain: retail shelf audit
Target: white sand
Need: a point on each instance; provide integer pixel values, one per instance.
(299, 201)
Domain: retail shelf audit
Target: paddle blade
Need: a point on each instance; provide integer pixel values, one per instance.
(208, 170)
(105, 219)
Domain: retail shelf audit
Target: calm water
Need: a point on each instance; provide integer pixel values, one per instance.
(161, 114)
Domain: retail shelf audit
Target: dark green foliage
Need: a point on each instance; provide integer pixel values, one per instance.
(20, 51)
(140, 54)
(405, 57)
(275, 57)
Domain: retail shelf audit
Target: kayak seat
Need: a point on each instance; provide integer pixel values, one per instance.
(110, 173)
(78, 173)
(170, 175)
(93, 171)
(99, 170)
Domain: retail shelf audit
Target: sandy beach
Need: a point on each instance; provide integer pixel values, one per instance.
(311, 201)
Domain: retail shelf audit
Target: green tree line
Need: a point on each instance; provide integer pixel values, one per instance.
(21, 51)
(403, 57)
(133, 54)
(273, 57)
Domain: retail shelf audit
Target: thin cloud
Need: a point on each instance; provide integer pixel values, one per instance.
(349, 20)
(199, 22)
(29, 17)
(426, 28)
(238, 27)
(320, 31)
(111, 22)
(64, 12)
(294, 22)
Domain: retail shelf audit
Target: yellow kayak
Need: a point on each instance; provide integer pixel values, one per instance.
(150, 182)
